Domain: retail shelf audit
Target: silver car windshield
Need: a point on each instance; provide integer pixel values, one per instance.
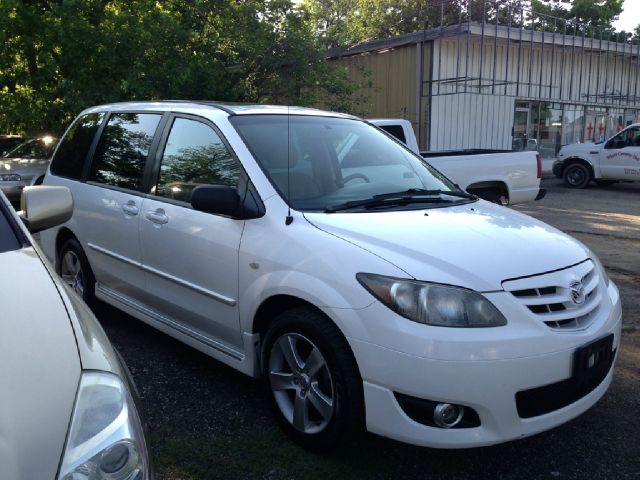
(327, 163)
(36, 148)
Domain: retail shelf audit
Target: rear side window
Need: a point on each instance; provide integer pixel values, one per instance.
(194, 155)
(123, 149)
(70, 156)
(396, 131)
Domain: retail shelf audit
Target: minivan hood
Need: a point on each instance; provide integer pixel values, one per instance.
(39, 368)
(477, 245)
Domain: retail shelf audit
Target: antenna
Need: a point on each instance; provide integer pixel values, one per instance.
(289, 219)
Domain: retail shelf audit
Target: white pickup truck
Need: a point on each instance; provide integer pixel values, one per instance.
(498, 176)
(614, 160)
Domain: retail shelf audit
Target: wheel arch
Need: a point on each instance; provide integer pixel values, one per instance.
(573, 160)
(62, 236)
(489, 186)
(273, 306)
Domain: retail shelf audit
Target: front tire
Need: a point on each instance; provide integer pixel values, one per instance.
(312, 380)
(74, 269)
(576, 175)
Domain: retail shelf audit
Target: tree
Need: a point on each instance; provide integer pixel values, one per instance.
(60, 56)
(591, 14)
(348, 22)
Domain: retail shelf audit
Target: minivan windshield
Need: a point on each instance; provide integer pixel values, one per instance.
(330, 164)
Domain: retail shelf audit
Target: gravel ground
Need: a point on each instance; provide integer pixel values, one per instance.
(208, 421)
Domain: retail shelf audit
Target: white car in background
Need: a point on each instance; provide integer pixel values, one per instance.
(312, 249)
(66, 410)
(25, 165)
(617, 159)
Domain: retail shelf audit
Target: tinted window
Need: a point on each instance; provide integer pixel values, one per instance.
(70, 156)
(123, 148)
(396, 131)
(194, 155)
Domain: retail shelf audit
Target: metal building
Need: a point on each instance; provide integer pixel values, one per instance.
(509, 78)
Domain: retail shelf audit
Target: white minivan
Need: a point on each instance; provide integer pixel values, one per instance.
(314, 250)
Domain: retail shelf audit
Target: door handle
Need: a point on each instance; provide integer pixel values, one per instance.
(158, 217)
(130, 208)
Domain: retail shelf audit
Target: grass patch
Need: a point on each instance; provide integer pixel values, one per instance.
(261, 455)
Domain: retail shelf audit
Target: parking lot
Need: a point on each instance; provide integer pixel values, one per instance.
(206, 420)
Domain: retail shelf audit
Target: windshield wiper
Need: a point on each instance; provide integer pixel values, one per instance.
(423, 191)
(412, 195)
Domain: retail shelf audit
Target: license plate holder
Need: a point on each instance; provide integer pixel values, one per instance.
(589, 360)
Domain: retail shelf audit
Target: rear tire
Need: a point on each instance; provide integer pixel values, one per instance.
(312, 380)
(576, 175)
(75, 271)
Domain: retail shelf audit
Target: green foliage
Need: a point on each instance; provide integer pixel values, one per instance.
(60, 56)
(348, 22)
(594, 14)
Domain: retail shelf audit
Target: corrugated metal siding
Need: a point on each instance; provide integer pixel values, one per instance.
(569, 74)
(469, 120)
(393, 75)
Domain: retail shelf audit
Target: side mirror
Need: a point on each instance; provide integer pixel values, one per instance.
(218, 199)
(45, 206)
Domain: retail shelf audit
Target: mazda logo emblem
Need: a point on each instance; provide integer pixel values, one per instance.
(577, 292)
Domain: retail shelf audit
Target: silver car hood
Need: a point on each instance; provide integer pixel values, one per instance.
(39, 369)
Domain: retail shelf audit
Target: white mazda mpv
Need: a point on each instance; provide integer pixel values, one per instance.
(313, 250)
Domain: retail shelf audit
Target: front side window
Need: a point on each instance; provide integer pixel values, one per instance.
(72, 152)
(322, 163)
(123, 149)
(627, 138)
(194, 155)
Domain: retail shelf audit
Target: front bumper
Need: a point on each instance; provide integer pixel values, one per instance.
(486, 378)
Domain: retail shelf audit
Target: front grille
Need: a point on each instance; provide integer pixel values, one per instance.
(549, 296)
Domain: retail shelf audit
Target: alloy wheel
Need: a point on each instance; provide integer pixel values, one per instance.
(301, 383)
(71, 272)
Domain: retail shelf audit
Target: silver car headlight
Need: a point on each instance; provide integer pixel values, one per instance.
(10, 177)
(105, 440)
(433, 304)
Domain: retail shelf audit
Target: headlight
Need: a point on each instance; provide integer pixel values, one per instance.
(433, 304)
(105, 440)
(600, 268)
(10, 177)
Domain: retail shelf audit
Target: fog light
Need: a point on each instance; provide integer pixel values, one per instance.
(447, 415)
